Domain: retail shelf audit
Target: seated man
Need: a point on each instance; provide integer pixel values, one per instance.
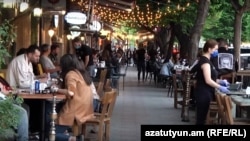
(47, 63)
(20, 71)
(23, 126)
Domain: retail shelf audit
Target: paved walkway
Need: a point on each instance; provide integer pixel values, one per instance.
(142, 103)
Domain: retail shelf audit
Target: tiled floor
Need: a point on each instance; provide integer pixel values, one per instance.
(142, 103)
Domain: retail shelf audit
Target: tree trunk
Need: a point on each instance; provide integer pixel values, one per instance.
(237, 34)
(240, 9)
(162, 38)
(197, 29)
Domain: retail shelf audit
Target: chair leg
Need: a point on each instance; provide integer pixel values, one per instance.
(75, 129)
(107, 130)
(100, 132)
(175, 99)
(123, 82)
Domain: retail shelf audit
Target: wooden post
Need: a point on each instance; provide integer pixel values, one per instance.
(186, 97)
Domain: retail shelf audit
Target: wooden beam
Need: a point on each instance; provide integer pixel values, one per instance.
(123, 2)
(116, 6)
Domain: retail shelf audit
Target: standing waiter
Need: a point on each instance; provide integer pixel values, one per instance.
(84, 53)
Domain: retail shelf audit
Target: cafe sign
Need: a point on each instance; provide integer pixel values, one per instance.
(76, 18)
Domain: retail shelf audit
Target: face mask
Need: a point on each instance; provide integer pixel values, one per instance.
(214, 54)
(77, 47)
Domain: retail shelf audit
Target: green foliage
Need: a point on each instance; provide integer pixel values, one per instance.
(7, 35)
(246, 28)
(8, 113)
(219, 23)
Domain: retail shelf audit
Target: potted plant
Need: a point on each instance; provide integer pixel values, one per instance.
(8, 113)
(7, 35)
(9, 116)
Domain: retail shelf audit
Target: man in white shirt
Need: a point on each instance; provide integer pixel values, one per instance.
(20, 71)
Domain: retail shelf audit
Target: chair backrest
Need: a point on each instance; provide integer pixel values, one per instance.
(174, 82)
(228, 109)
(103, 75)
(230, 77)
(108, 102)
(107, 85)
(221, 109)
(40, 68)
(100, 88)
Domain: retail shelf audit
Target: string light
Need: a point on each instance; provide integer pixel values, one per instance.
(148, 13)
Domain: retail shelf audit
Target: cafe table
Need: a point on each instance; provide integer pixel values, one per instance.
(241, 99)
(53, 97)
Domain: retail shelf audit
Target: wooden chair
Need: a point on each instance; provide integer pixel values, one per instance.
(100, 86)
(100, 89)
(229, 116)
(212, 115)
(103, 119)
(123, 75)
(177, 90)
(107, 85)
(103, 75)
(221, 109)
(230, 77)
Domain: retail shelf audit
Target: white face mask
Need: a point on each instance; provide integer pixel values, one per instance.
(77, 47)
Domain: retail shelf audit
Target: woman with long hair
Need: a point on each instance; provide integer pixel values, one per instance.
(76, 86)
(207, 82)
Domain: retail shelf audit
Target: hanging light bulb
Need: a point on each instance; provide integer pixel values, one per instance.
(24, 6)
(51, 32)
(37, 12)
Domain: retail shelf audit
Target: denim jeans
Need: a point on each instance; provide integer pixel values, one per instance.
(60, 133)
(23, 124)
(97, 105)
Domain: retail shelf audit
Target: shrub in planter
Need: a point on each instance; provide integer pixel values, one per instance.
(9, 116)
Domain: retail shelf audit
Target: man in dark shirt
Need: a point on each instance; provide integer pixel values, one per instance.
(223, 48)
(140, 55)
(53, 54)
(84, 53)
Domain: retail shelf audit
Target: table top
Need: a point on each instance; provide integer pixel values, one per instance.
(241, 72)
(41, 96)
(240, 100)
(241, 92)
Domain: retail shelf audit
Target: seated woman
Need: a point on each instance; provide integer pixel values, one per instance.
(78, 106)
(23, 126)
(166, 68)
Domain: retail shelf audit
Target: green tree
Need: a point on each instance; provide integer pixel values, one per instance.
(7, 36)
(240, 8)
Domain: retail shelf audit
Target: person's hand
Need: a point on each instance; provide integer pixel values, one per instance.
(44, 75)
(224, 83)
(223, 89)
(54, 89)
(43, 80)
(58, 68)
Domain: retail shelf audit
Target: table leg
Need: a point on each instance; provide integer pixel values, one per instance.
(42, 134)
